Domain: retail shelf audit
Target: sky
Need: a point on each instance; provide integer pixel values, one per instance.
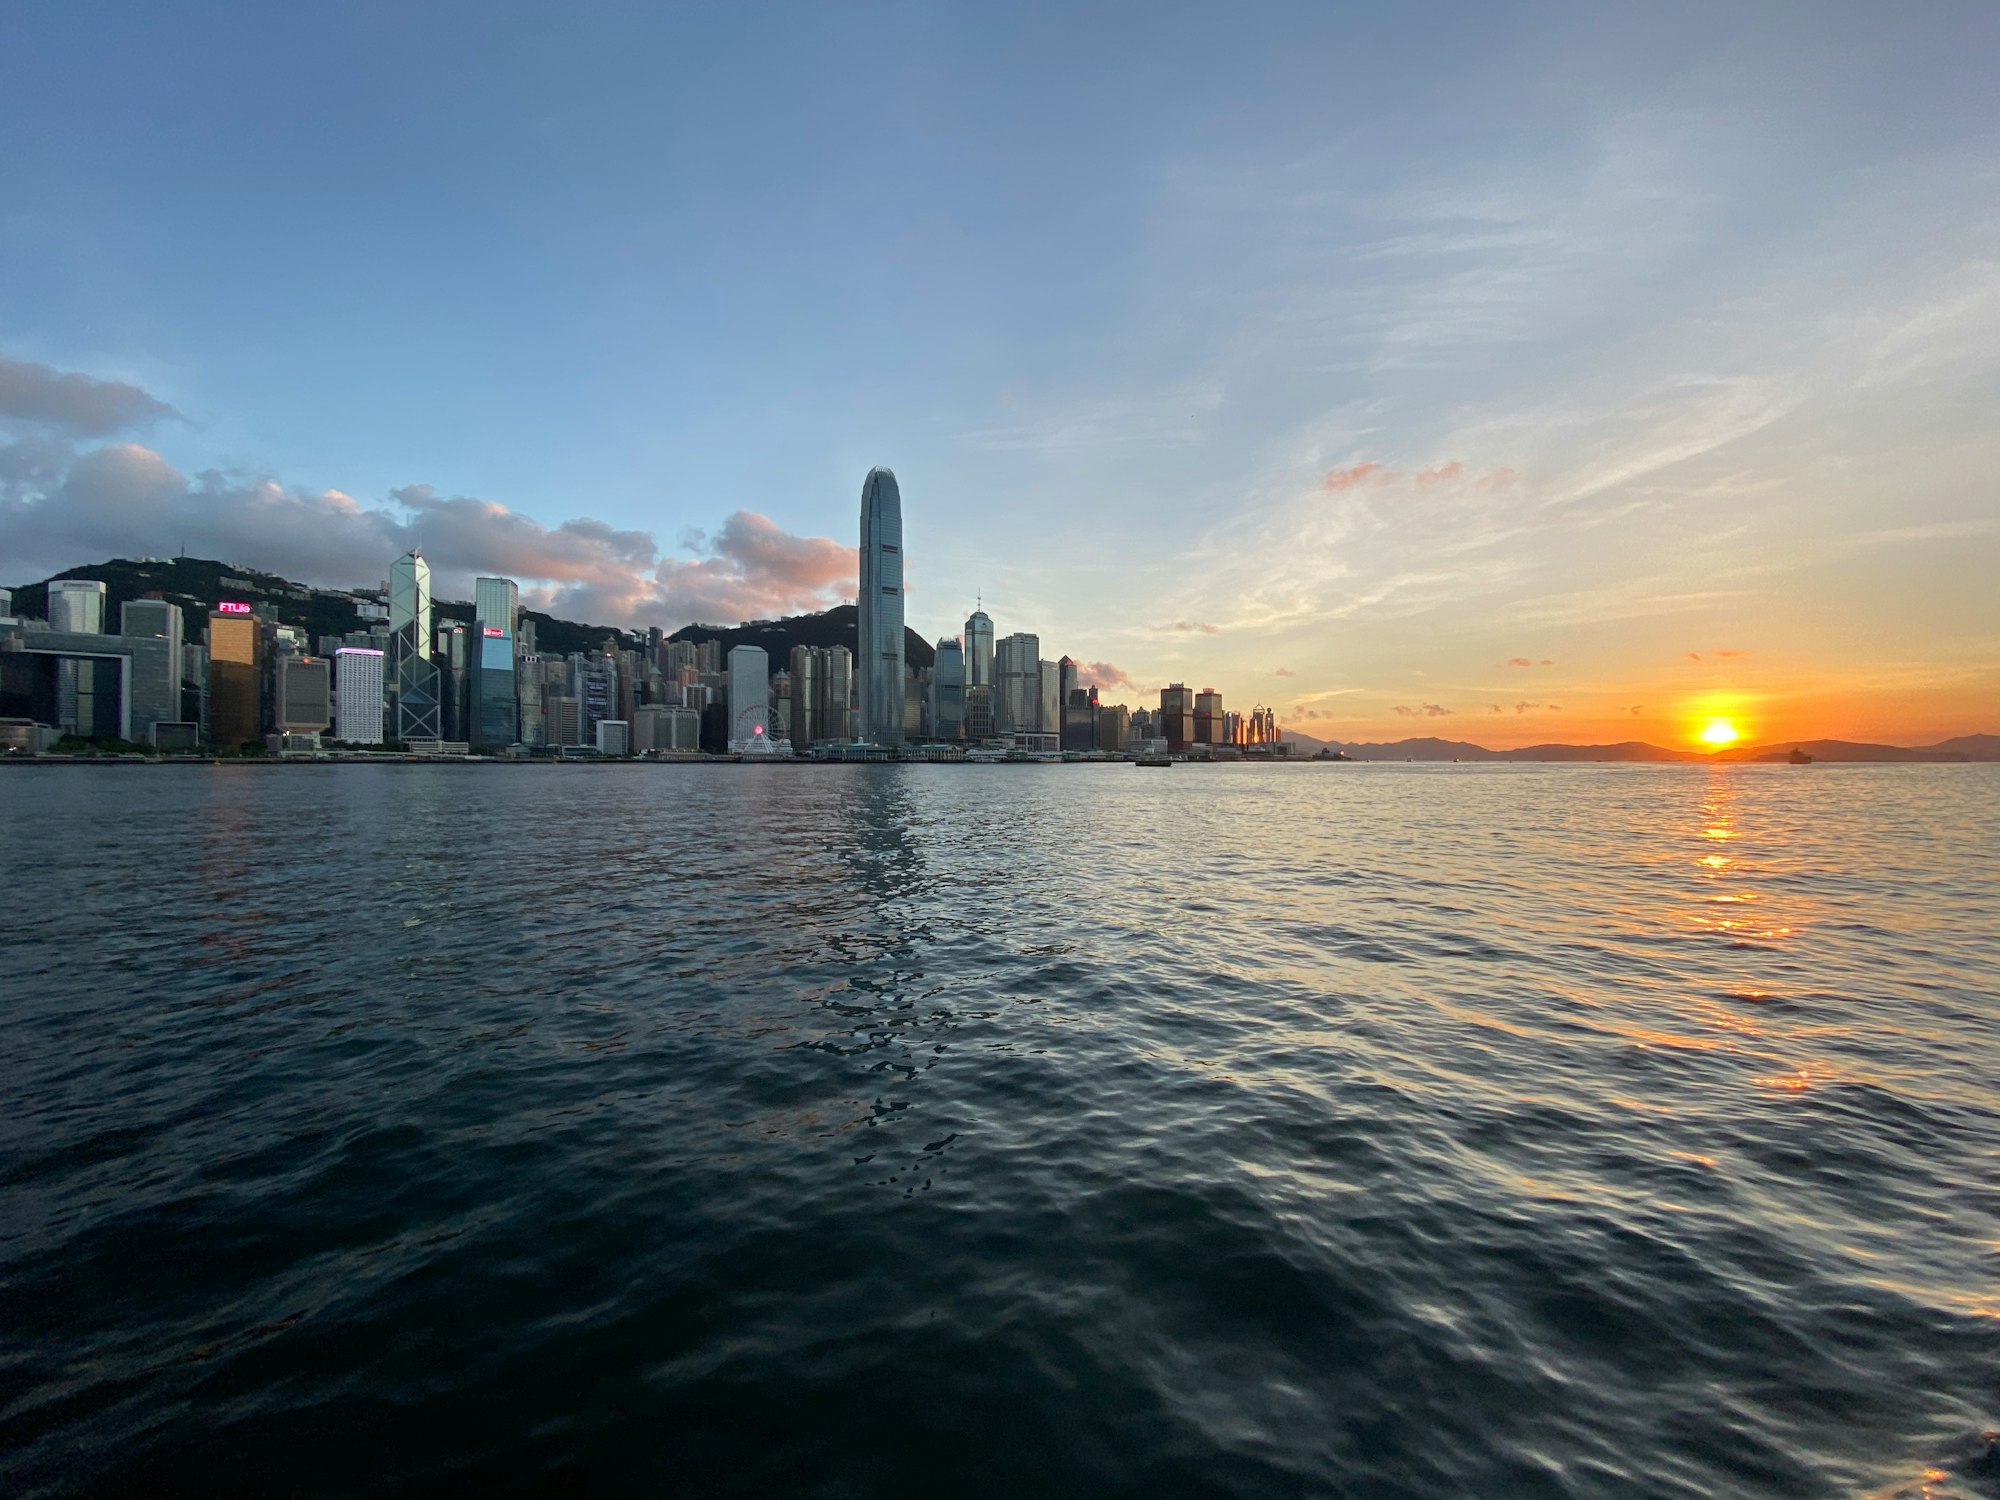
(1507, 373)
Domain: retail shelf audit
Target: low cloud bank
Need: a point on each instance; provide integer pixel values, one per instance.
(65, 502)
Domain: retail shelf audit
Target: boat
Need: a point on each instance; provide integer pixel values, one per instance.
(1798, 757)
(1154, 760)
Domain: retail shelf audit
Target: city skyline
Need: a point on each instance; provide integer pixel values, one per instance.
(1605, 378)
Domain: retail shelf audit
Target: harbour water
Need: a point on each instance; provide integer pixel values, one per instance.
(874, 1130)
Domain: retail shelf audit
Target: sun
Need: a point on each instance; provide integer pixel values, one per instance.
(1720, 733)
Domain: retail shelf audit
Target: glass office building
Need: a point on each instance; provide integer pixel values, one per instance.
(880, 606)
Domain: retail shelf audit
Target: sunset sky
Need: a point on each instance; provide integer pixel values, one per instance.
(1511, 373)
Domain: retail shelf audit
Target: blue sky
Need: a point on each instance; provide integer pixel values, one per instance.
(1667, 331)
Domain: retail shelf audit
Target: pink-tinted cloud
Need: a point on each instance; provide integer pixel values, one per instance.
(1694, 656)
(1368, 471)
(1498, 479)
(1102, 675)
(1427, 711)
(1519, 661)
(1439, 473)
(62, 504)
(1732, 655)
(1194, 627)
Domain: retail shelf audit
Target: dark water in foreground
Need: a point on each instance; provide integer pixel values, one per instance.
(872, 1130)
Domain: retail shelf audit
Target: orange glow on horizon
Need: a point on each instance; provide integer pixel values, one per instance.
(1720, 734)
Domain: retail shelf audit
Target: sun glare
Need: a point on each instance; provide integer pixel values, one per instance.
(1719, 733)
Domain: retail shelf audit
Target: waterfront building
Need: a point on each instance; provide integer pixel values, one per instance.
(565, 720)
(836, 698)
(452, 652)
(1049, 711)
(807, 711)
(302, 700)
(1017, 683)
(1208, 717)
(683, 729)
(750, 703)
(358, 684)
(948, 690)
(979, 649)
(413, 675)
(1069, 677)
(235, 679)
(1079, 719)
(1113, 728)
(493, 721)
(614, 737)
(979, 714)
(1175, 723)
(880, 610)
(76, 606)
(156, 619)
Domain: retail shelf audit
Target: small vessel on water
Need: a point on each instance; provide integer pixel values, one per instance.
(1798, 757)
(1154, 760)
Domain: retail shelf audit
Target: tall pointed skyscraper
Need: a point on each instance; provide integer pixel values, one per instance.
(879, 661)
(415, 682)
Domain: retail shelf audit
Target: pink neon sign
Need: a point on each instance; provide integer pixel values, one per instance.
(228, 607)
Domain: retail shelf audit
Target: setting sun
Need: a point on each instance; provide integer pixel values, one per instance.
(1719, 733)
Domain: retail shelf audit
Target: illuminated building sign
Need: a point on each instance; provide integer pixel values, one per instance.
(227, 607)
(495, 633)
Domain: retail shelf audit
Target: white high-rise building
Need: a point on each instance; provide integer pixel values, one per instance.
(879, 664)
(750, 704)
(357, 713)
(76, 605)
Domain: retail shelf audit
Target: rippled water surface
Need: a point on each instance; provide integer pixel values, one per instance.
(934, 1130)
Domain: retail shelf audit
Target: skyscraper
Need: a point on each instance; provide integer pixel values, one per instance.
(76, 606)
(1017, 684)
(1176, 721)
(358, 695)
(302, 699)
(235, 679)
(948, 690)
(880, 606)
(1208, 717)
(496, 602)
(415, 676)
(750, 703)
(979, 649)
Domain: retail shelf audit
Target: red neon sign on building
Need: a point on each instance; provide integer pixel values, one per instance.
(230, 607)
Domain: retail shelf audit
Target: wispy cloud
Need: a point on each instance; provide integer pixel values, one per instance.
(1425, 711)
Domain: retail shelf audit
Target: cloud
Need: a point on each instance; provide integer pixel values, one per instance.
(1493, 708)
(1428, 711)
(1194, 627)
(1439, 473)
(1519, 661)
(1634, 709)
(1731, 655)
(1102, 674)
(1284, 672)
(1694, 656)
(1368, 471)
(1498, 479)
(76, 403)
(1524, 707)
(62, 504)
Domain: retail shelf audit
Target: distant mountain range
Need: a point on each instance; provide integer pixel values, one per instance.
(197, 583)
(1964, 747)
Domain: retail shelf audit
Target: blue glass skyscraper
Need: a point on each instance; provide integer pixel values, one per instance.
(879, 661)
